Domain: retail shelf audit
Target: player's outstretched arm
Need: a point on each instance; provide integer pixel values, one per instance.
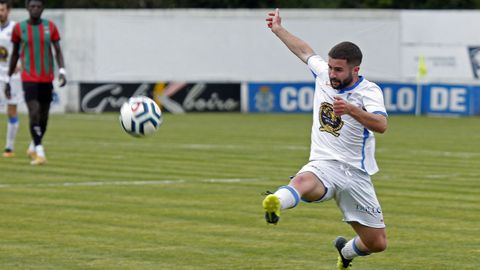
(299, 47)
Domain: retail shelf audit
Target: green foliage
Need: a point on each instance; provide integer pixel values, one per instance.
(189, 197)
(389, 4)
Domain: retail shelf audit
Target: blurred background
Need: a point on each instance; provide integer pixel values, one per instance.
(391, 4)
(204, 56)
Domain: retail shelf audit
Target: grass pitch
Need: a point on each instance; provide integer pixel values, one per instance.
(189, 197)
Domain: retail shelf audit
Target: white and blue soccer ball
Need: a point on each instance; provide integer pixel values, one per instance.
(140, 116)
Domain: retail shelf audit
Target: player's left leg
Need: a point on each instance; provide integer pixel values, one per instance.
(368, 240)
(12, 128)
(44, 113)
(362, 210)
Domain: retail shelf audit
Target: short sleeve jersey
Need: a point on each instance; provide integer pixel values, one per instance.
(343, 138)
(36, 49)
(5, 48)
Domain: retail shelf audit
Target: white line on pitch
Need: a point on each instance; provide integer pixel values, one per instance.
(126, 183)
(99, 183)
(233, 180)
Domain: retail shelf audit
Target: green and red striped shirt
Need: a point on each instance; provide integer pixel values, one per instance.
(36, 49)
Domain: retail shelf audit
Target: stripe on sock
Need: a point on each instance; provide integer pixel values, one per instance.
(357, 250)
(13, 120)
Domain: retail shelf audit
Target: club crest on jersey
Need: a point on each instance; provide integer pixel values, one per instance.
(329, 121)
(3, 54)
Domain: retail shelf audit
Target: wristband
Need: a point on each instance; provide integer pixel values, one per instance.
(62, 71)
(7, 79)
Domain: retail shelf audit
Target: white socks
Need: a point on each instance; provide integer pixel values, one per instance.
(31, 147)
(288, 196)
(351, 250)
(40, 151)
(12, 128)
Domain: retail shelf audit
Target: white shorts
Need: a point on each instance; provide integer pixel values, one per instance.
(352, 189)
(16, 91)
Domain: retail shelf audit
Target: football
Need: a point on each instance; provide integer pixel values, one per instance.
(140, 116)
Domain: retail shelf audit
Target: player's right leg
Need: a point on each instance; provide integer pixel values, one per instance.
(36, 132)
(12, 128)
(16, 94)
(31, 151)
(304, 185)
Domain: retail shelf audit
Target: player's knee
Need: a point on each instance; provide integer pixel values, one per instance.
(301, 183)
(378, 244)
(298, 180)
(11, 113)
(309, 186)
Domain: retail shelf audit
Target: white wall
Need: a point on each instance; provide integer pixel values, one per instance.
(443, 38)
(235, 45)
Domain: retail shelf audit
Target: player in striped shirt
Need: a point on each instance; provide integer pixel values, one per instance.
(33, 40)
(348, 109)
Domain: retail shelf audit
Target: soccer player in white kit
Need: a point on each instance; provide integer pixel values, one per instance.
(347, 110)
(16, 95)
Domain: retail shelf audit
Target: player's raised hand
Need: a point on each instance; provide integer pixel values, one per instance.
(340, 106)
(274, 20)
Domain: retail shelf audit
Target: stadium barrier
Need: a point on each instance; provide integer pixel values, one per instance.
(400, 98)
(268, 97)
(175, 97)
(199, 46)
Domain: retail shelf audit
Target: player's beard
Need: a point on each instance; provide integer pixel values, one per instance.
(339, 84)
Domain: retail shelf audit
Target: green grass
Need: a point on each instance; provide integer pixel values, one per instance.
(189, 197)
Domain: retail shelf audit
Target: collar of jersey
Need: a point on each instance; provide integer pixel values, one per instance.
(5, 27)
(360, 79)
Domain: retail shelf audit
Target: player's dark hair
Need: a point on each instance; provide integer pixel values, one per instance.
(348, 51)
(28, 1)
(5, 2)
